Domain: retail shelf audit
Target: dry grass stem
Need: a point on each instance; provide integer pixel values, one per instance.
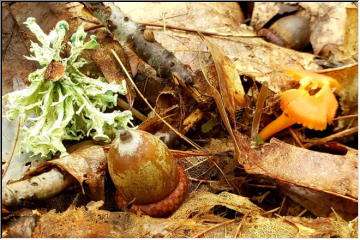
(151, 107)
(136, 113)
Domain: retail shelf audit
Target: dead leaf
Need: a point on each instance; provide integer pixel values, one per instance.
(212, 82)
(332, 26)
(334, 174)
(224, 18)
(79, 222)
(49, 13)
(202, 202)
(328, 26)
(106, 62)
(192, 119)
(265, 62)
(86, 165)
(252, 57)
(229, 82)
(330, 180)
(15, 68)
(263, 12)
(347, 76)
(319, 203)
(186, 14)
(351, 33)
(20, 226)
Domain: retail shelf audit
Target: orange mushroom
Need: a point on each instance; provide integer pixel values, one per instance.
(300, 106)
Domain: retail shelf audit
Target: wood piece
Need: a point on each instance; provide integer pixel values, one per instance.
(42, 186)
(127, 31)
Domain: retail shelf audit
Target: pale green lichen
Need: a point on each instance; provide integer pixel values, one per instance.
(68, 109)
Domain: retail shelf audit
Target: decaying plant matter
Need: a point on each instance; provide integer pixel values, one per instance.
(221, 177)
(84, 165)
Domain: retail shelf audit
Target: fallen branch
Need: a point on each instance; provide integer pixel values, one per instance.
(42, 186)
(127, 31)
(85, 164)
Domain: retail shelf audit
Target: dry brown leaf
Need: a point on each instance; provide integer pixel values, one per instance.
(192, 119)
(347, 76)
(146, 79)
(328, 21)
(319, 203)
(81, 222)
(212, 82)
(106, 62)
(49, 13)
(166, 99)
(229, 82)
(284, 227)
(15, 68)
(186, 14)
(21, 225)
(202, 202)
(87, 165)
(334, 174)
(215, 17)
(351, 33)
(265, 62)
(263, 12)
(252, 57)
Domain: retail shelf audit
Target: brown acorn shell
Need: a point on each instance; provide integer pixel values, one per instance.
(142, 168)
(294, 30)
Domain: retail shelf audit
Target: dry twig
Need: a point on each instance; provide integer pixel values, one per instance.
(347, 132)
(206, 33)
(213, 227)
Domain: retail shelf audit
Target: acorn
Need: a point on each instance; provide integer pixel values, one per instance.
(145, 174)
(291, 32)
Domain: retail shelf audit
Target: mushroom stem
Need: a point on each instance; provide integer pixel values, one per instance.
(275, 126)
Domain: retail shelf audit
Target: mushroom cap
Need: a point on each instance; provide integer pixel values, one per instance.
(315, 80)
(312, 111)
